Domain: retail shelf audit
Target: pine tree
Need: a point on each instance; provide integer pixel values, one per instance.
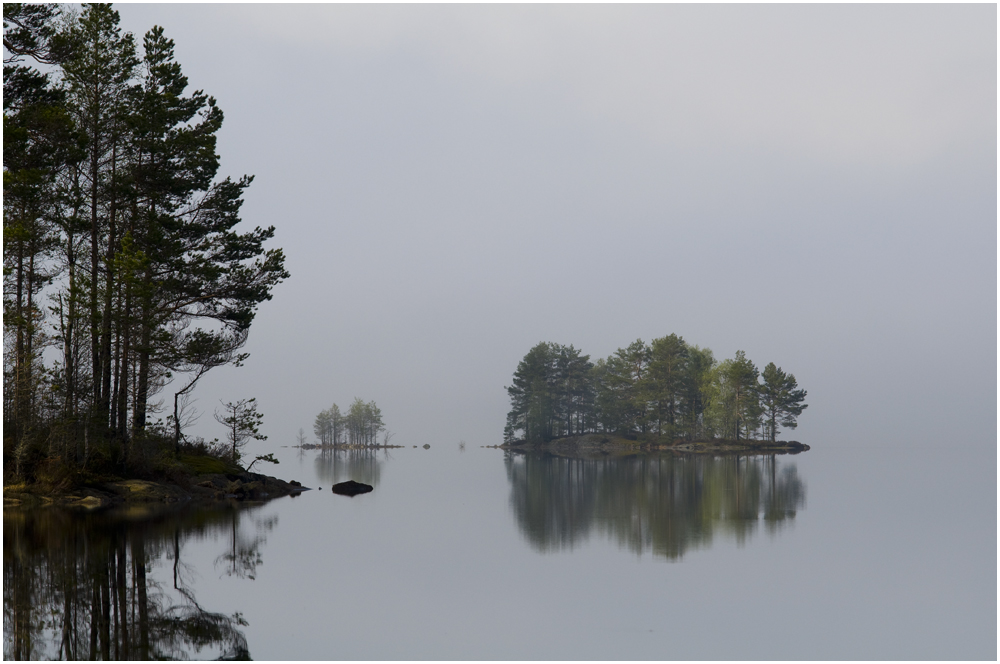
(667, 378)
(781, 399)
(622, 386)
(111, 197)
(99, 79)
(735, 399)
(40, 144)
(531, 395)
(242, 422)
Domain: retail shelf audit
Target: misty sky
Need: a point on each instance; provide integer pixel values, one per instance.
(814, 185)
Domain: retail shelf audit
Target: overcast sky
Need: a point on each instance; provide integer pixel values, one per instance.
(814, 185)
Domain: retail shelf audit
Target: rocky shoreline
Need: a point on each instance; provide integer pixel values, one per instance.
(608, 444)
(204, 488)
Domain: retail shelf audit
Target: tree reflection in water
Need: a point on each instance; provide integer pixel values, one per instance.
(79, 586)
(360, 465)
(653, 502)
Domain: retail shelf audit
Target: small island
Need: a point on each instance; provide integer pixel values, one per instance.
(665, 395)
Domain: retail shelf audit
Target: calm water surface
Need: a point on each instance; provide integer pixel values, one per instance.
(841, 552)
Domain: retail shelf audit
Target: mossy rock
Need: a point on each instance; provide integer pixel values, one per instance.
(141, 491)
(205, 465)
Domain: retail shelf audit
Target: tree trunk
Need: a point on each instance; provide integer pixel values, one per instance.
(145, 326)
(104, 404)
(95, 238)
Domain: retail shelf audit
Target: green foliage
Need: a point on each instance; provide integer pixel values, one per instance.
(735, 403)
(360, 426)
(662, 391)
(621, 391)
(551, 393)
(666, 383)
(363, 423)
(114, 213)
(242, 422)
(329, 426)
(269, 458)
(781, 400)
(30, 30)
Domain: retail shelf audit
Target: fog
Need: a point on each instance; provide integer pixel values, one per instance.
(814, 185)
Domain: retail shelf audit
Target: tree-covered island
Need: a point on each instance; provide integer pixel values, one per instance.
(125, 275)
(665, 393)
(358, 428)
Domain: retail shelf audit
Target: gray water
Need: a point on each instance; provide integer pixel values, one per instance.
(847, 551)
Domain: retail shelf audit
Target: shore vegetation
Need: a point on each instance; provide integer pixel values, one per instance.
(126, 273)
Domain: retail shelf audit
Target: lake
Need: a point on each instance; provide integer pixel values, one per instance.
(847, 551)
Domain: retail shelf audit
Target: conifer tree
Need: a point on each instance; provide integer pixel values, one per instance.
(242, 422)
(781, 399)
(113, 213)
(735, 399)
(40, 142)
(531, 395)
(697, 387)
(667, 377)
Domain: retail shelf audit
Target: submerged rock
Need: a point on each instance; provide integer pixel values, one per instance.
(351, 488)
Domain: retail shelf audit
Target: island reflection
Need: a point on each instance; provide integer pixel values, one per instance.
(115, 585)
(661, 503)
(359, 464)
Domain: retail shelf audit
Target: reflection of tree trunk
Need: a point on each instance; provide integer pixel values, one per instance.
(22, 612)
(93, 622)
(123, 599)
(177, 554)
(737, 475)
(234, 542)
(104, 581)
(773, 482)
(113, 583)
(139, 564)
(69, 600)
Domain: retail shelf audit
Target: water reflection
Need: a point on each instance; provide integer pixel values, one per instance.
(360, 465)
(661, 503)
(115, 585)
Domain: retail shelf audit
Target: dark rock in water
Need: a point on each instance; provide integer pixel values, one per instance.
(351, 488)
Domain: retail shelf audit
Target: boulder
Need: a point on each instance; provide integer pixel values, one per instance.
(351, 488)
